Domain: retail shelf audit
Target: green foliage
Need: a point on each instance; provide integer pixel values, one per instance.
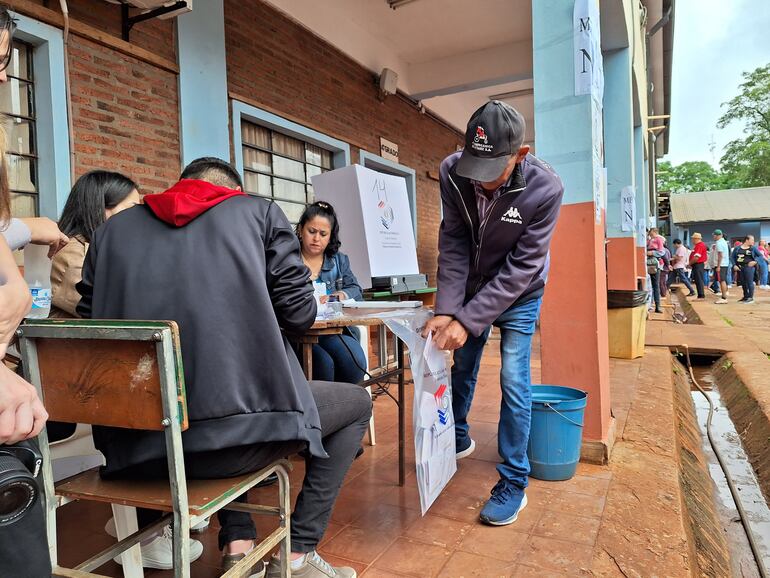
(748, 159)
(693, 176)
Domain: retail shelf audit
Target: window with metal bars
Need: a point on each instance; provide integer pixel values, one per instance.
(17, 105)
(279, 167)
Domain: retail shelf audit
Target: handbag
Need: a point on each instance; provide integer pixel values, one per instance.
(653, 265)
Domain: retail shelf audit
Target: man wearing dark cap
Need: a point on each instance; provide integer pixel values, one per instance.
(500, 209)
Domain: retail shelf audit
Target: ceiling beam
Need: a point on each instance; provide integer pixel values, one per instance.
(470, 71)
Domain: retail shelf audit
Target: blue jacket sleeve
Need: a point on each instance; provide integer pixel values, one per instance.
(454, 245)
(349, 282)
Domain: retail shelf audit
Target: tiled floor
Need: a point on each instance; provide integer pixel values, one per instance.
(376, 527)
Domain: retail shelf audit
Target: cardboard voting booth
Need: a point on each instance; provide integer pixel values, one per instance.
(375, 221)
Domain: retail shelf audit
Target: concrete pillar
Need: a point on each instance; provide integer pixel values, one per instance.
(203, 107)
(642, 199)
(622, 261)
(574, 345)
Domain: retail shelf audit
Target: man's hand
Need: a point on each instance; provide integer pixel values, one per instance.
(452, 337)
(22, 416)
(436, 324)
(46, 232)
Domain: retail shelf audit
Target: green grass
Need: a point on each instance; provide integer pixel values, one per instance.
(727, 320)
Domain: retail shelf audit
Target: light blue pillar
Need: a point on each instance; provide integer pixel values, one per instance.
(203, 106)
(563, 121)
(619, 140)
(642, 188)
(568, 134)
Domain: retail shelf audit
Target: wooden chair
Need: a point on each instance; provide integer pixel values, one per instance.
(129, 374)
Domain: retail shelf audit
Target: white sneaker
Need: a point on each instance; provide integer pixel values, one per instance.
(720, 301)
(467, 451)
(159, 554)
(198, 528)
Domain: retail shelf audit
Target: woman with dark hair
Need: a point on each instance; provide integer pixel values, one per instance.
(336, 357)
(96, 197)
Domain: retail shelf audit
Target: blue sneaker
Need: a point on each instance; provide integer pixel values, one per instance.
(464, 449)
(505, 504)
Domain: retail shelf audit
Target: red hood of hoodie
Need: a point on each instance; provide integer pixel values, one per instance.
(186, 200)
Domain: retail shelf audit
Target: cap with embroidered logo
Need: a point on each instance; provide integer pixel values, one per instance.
(495, 132)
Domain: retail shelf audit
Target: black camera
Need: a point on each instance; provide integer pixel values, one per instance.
(19, 490)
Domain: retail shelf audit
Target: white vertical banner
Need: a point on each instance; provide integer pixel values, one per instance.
(627, 209)
(589, 70)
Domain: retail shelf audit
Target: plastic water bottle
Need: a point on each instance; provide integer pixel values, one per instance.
(37, 274)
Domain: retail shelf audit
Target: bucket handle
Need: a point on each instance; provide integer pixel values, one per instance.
(548, 405)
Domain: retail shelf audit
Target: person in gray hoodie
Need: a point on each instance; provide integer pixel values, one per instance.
(500, 209)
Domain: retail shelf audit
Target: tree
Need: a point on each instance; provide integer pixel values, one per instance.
(747, 159)
(692, 176)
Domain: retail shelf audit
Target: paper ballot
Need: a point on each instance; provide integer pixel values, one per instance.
(434, 428)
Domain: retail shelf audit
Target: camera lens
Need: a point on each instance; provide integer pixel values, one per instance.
(18, 489)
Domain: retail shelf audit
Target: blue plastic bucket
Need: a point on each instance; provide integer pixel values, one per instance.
(556, 431)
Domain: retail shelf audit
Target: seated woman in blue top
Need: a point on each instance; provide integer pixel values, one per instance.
(336, 357)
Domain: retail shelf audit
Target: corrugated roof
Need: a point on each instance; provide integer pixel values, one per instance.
(731, 205)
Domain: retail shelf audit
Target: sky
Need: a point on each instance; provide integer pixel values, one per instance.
(714, 42)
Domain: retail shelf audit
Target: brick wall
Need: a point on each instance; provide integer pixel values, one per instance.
(278, 64)
(125, 116)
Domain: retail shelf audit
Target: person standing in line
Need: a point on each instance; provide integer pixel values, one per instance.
(666, 270)
(744, 259)
(500, 210)
(763, 265)
(698, 260)
(722, 251)
(679, 265)
(655, 252)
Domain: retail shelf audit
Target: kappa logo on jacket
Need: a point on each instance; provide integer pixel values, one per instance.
(512, 215)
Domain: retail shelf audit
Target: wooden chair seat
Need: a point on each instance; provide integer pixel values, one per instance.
(202, 495)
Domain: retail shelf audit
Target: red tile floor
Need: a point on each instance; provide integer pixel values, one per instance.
(376, 527)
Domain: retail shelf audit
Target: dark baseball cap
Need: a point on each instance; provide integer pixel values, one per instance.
(495, 132)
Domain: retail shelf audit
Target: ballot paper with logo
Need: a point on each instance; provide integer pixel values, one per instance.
(434, 427)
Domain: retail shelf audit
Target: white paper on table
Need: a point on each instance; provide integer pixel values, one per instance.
(319, 290)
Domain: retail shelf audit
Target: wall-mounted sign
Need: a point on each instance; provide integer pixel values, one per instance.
(628, 209)
(589, 70)
(388, 150)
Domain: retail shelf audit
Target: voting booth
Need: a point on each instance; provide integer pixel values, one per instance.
(375, 219)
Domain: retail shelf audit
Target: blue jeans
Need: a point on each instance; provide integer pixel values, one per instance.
(763, 273)
(747, 282)
(517, 325)
(338, 358)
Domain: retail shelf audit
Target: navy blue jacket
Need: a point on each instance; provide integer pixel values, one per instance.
(337, 268)
(485, 266)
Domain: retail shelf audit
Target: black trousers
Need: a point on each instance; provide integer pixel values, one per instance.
(697, 273)
(344, 410)
(655, 280)
(747, 281)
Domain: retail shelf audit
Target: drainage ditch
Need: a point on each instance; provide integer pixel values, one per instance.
(735, 459)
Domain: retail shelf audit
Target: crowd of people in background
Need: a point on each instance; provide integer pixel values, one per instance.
(717, 267)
